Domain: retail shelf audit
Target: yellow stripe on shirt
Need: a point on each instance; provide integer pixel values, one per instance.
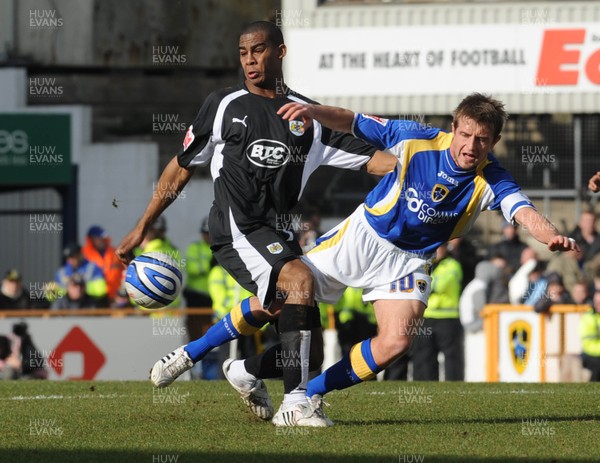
(441, 142)
(474, 202)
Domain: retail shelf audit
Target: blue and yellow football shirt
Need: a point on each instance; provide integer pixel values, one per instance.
(428, 200)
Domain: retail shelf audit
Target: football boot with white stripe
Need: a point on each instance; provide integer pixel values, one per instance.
(170, 367)
(302, 414)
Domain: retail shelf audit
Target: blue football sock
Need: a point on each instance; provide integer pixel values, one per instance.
(239, 322)
(355, 367)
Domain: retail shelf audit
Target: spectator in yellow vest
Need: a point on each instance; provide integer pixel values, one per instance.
(356, 320)
(441, 330)
(226, 293)
(589, 332)
(198, 262)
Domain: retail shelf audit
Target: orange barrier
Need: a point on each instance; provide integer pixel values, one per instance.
(491, 315)
(117, 313)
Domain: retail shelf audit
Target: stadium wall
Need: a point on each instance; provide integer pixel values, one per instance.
(518, 26)
(122, 171)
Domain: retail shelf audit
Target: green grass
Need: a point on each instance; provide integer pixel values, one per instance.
(375, 422)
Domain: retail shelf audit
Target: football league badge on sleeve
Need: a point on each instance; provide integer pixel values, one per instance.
(297, 128)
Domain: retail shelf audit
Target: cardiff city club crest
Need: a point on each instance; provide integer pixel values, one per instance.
(439, 192)
(422, 285)
(297, 127)
(520, 340)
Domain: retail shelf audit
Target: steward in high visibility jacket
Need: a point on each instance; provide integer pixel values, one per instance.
(98, 249)
(351, 304)
(224, 291)
(446, 286)
(199, 260)
(589, 332)
(440, 330)
(356, 320)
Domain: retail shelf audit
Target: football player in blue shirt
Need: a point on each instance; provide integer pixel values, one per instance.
(440, 185)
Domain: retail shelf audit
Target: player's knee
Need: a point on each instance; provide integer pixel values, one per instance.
(295, 280)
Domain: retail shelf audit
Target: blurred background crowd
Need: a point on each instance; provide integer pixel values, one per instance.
(510, 272)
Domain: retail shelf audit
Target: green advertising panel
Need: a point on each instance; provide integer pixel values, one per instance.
(35, 149)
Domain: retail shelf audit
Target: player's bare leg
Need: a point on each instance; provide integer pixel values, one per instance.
(397, 322)
(395, 319)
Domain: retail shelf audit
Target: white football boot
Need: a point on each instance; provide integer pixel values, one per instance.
(308, 414)
(254, 393)
(316, 403)
(170, 367)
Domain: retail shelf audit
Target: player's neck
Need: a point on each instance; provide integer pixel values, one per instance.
(275, 89)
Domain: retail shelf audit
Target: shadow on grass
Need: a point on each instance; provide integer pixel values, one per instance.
(511, 420)
(124, 456)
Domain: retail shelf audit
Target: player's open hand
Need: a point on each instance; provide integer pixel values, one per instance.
(125, 249)
(295, 111)
(594, 183)
(563, 243)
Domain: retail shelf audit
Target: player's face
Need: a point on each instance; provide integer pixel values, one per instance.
(260, 59)
(471, 144)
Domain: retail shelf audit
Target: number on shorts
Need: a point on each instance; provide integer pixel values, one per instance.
(406, 284)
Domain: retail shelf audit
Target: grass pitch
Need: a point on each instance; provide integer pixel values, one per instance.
(375, 422)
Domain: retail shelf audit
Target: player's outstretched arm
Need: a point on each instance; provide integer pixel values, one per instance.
(594, 182)
(544, 231)
(171, 182)
(381, 163)
(339, 119)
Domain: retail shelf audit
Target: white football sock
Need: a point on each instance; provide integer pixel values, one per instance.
(239, 375)
(297, 396)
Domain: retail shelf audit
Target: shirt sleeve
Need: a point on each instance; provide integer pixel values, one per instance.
(507, 193)
(198, 146)
(385, 134)
(344, 150)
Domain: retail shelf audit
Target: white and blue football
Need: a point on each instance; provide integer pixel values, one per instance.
(153, 280)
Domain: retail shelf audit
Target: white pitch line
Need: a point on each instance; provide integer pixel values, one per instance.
(404, 390)
(59, 397)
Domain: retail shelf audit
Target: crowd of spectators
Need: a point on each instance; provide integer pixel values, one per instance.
(463, 283)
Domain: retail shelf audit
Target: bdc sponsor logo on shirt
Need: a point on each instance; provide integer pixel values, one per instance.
(425, 212)
(268, 153)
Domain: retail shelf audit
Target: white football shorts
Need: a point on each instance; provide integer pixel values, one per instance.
(353, 254)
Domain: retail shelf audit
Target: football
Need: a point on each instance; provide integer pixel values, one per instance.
(153, 280)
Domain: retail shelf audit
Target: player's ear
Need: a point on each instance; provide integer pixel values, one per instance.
(496, 140)
(282, 51)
